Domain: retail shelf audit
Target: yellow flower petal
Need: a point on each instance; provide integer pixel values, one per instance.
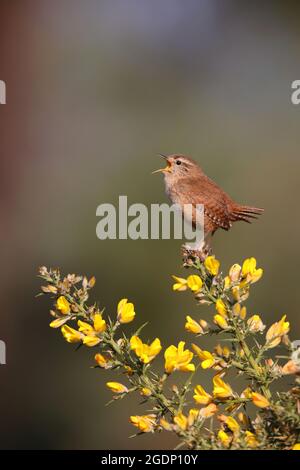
(194, 282)
(117, 387)
(232, 424)
(125, 311)
(99, 323)
(71, 335)
(221, 388)
(85, 327)
(180, 284)
(164, 424)
(206, 357)
(276, 331)
(221, 308)
(255, 324)
(249, 266)
(221, 322)
(145, 423)
(259, 400)
(102, 361)
(63, 305)
(181, 421)
(201, 396)
(178, 359)
(91, 341)
(224, 438)
(193, 326)
(146, 392)
(251, 440)
(145, 352)
(212, 265)
(192, 416)
(58, 322)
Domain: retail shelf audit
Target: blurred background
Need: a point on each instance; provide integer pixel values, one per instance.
(95, 90)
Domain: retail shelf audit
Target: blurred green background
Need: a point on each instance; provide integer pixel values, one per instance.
(94, 90)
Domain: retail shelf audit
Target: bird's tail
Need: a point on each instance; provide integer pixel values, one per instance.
(245, 213)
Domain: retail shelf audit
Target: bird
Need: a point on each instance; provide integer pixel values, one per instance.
(186, 183)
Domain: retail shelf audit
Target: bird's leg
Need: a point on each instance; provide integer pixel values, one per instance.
(199, 250)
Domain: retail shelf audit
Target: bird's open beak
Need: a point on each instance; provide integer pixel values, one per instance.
(167, 169)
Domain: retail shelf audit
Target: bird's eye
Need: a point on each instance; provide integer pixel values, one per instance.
(178, 162)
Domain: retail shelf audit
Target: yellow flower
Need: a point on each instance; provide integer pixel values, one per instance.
(276, 331)
(99, 323)
(193, 326)
(194, 282)
(178, 359)
(296, 446)
(116, 387)
(236, 293)
(180, 284)
(91, 333)
(146, 392)
(221, 388)
(85, 327)
(224, 438)
(259, 400)
(235, 272)
(225, 351)
(192, 416)
(63, 305)
(71, 335)
(255, 324)
(239, 311)
(249, 271)
(144, 423)
(249, 266)
(221, 322)
(251, 440)
(146, 353)
(208, 411)
(230, 422)
(102, 361)
(243, 313)
(227, 282)
(246, 393)
(91, 341)
(236, 309)
(212, 265)
(58, 322)
(181, 421)
(201, 396)
(164, 424)
(221, 308)
(206, 357)
(125, 311)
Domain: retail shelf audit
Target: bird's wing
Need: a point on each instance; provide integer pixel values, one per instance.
(206, 192)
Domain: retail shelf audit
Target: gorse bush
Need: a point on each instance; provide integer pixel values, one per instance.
(219, 418)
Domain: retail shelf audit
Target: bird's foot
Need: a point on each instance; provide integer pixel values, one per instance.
(191, 254)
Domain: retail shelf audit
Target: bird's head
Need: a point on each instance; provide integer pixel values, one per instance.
(178, 166)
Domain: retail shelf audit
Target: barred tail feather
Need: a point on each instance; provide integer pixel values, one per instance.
(245, 213)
